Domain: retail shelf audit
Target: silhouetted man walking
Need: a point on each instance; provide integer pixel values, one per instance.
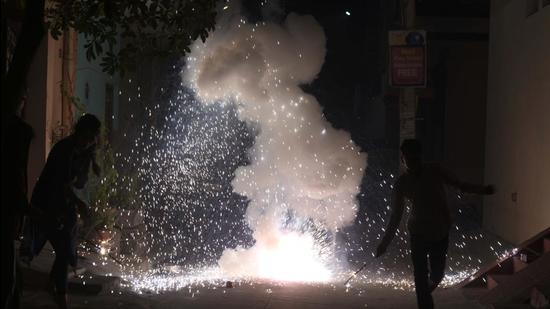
(423, 184)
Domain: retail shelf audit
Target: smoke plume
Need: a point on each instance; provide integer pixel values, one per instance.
(302, 171)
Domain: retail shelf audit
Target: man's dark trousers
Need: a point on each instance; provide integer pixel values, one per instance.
(428, 259)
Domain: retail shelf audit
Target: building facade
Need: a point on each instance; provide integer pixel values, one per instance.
(49, 108)
(518, 119)
(96, 92)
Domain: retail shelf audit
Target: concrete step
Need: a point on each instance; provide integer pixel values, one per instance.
(516, 288)
(538, 298)
(494, 280)
(474, 292)
(544, 287)
(529, 251)
(540, 294)
(518, 263)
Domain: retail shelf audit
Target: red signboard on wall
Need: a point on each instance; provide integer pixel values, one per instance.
(407, 66)
(407, 58)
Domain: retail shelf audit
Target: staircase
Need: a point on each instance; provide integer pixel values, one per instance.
(518, 281)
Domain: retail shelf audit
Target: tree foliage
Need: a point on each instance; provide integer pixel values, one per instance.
(110, 192)
(102, 190)
(144, 28)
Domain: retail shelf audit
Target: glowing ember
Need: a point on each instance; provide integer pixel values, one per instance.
(292, 258)
(283, 257)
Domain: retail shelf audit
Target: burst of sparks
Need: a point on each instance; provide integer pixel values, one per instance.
(181, 163)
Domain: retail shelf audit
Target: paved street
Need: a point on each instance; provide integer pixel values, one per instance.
(252, 296)
(93, 291)
(260, 296)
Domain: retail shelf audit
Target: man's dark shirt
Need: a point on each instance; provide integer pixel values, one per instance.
(65, 164)
(430, 217)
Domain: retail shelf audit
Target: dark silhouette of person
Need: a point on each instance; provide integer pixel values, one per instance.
(423, 184)
(53, 197)
(15, 152)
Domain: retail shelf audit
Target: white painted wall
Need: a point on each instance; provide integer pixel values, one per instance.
(518, 120)
(91, 73)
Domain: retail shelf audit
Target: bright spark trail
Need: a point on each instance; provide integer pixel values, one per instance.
(239, 176)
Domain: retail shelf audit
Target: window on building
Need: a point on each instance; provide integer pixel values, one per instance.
(87, 91)
(109, 110)
(531, 6)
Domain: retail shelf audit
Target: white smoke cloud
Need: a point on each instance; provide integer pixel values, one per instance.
(299, 162)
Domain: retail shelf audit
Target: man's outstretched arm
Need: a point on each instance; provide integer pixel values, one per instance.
(465, 187)
(398, 202)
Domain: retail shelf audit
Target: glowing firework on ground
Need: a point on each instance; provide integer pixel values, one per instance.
(286, 257)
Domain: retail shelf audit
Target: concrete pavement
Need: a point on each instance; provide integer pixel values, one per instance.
(288, 296)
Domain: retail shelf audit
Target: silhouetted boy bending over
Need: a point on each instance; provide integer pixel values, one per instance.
(423, 184)
(53, 196)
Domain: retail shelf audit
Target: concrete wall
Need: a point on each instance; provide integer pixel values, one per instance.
(465, 104)
(35, 113)
(451, 114)
(518, 121)
(44, 108)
